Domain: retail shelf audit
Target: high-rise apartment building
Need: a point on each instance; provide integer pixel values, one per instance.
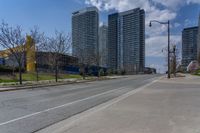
(85, 25)
(198, 43)
(112, 40)
(103, 46)
(189, 45)
(126, 41)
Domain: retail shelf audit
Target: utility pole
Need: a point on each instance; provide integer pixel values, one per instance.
(169, 71)
(165, 23)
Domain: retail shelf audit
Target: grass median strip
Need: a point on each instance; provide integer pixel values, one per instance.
(33, 77)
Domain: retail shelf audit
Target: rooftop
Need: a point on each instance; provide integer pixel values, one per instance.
(190, 28)
(87, 9)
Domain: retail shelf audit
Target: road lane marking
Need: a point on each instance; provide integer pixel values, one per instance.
(66, 124)
(64, 105)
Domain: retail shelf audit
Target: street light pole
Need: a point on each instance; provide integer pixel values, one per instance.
(168, 23)
(36, 69)
(36, 64)
(169, 71)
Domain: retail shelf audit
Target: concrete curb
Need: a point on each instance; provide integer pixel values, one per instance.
(26, 87)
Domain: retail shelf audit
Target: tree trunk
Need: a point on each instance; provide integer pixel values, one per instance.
(98, 72)
(174, 65)
(56, 74)
(37, 74)
(98, 65)
(83, 69)
(20, 74)
(13, 71)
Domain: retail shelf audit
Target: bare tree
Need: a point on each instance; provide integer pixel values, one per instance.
(82, 63)
(174, 56)
(39, 39)
(12, 65)
(86, 60)
(37, 36)
(95, 60)
(56, 47)
(12, 39)
(98, 60)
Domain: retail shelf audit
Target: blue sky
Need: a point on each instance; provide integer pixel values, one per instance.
(49, 15)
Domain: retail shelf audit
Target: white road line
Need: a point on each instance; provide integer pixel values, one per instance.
(66, 124)
(64, 105)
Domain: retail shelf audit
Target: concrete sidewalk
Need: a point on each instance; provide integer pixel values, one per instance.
(165, 106)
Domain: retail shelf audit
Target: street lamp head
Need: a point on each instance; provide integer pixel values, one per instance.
(150, 24)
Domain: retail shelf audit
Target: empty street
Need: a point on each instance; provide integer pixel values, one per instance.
(28, 111)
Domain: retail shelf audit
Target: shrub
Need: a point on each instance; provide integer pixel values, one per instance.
(123, 72)
(5, 69)
(101, 72)
(109, 72)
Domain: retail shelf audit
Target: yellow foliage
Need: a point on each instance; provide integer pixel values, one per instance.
(30, 53)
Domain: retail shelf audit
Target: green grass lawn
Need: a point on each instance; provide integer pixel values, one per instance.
(197, 72)
(32, 77)
(3, 80)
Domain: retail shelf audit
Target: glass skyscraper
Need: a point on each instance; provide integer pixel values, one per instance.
(103, 45)
(189, 45)
(126, 41)
(85, 25)
(198, 43)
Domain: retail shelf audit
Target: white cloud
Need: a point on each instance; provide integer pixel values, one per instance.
(152, 11)
(152, 7)
(172, 4)
(189, 23)
(120, 5)
(156, 45)
(160, 15)
(155, 41)
(97, 3)
(176, 25)
(193, 1)
(101, 23)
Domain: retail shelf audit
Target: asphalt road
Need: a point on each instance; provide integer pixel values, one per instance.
(27, 111)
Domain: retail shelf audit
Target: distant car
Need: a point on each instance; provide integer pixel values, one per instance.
(149, 70)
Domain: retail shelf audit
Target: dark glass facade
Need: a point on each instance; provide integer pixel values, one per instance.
(189, 45)
(103, 46)
(126, 41)
(85, 25)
